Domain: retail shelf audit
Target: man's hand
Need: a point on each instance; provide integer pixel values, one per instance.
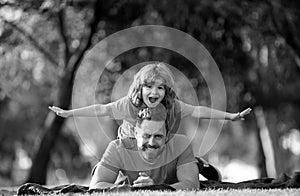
(240, 115)
(143, 180)
(60, 112)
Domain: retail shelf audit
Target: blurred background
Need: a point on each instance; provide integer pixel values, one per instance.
(255, 44)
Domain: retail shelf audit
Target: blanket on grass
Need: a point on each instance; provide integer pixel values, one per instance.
(283, 181)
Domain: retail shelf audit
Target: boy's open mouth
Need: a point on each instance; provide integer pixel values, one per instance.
(153, 99)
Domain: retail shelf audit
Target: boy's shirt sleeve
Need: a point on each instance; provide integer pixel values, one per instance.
(122, 109)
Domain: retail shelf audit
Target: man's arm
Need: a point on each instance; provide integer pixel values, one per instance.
(188, 177)
(106, 171)
(103, 178)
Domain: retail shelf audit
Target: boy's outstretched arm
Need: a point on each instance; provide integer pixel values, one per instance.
(88, 111)
(203, 112)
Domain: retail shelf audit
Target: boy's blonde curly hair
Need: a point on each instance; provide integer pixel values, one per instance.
(147, 75)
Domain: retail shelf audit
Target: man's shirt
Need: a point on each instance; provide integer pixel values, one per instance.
(122, 155)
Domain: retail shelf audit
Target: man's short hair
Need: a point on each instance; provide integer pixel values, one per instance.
(159, 113)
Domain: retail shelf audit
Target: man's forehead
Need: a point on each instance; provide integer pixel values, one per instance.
(152, 126)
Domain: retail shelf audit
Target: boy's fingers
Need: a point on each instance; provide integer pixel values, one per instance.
(56, 110)
(248, 110)
(53, 110)
(245, 112)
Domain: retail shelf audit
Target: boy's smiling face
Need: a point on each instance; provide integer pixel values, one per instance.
(153, 93)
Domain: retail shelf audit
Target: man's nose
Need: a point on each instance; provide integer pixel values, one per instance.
(152, 141)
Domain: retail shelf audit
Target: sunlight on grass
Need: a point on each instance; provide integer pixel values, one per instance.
(245, 192)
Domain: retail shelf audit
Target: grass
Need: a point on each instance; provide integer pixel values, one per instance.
(244, 192)
(231, 192)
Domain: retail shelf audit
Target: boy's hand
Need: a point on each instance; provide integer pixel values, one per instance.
(240, 115)
(143, 180)
(60, 112)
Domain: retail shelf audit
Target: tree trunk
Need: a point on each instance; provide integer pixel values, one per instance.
(279, 155)
(266, 142)
(261, 158)
(38, 172)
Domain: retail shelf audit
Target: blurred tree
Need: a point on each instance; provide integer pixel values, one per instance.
(255, 46)
(274, 76)
(74, 27)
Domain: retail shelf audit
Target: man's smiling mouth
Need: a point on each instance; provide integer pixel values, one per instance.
(150, 148)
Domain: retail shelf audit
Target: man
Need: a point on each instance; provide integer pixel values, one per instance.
(152, 157)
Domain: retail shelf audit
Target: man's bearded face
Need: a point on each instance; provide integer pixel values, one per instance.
(151, 137)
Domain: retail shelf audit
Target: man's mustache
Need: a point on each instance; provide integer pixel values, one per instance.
(148, 146)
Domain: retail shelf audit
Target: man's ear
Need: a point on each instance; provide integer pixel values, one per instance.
(167, 137)
(135, 131)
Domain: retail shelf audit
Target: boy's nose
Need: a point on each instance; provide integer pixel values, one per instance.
(154, 90)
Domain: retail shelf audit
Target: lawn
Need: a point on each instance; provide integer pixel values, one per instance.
(244, 192)
(232, 192)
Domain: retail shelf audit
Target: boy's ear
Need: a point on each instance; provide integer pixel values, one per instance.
(136, 96)
(171, 92)
(139, 93)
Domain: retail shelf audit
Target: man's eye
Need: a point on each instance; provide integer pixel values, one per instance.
(158, 137)
(161, 88)
(146, 136)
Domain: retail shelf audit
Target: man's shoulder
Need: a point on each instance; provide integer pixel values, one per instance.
(124, 143)
(178, 142)
(178, 138)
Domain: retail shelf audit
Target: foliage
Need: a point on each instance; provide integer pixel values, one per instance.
(255, 44)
